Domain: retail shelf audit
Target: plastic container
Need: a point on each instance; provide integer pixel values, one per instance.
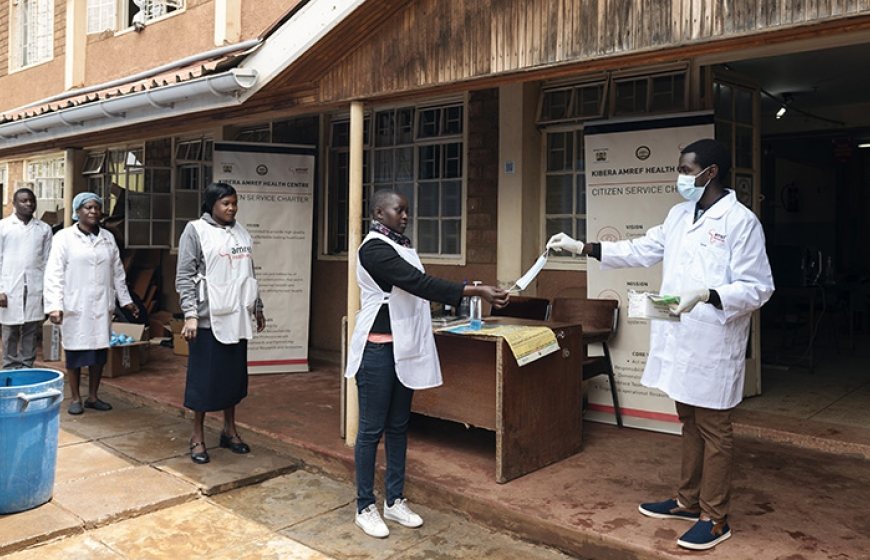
(475, 312)
(29, 419)
(464, 303)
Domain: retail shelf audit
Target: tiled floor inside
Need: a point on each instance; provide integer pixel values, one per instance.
(836, 391)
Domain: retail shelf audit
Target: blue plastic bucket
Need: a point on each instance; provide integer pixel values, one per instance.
(29, 417)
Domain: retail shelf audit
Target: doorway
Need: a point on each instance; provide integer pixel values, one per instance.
(814, 161)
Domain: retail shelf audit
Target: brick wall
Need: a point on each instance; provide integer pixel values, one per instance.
(482, 181)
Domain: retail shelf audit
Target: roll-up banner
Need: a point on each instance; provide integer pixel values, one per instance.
(275, 185)
(631, 172)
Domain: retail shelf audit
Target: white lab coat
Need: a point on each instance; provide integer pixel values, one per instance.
(82, 278)
(700, 360)
(24, 251)
(414, 351)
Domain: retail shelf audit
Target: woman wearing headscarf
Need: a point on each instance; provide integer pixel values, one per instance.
(218, 294)
(83, 277)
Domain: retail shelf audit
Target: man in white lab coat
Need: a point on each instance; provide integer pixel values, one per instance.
(713, 257)
(24, 245)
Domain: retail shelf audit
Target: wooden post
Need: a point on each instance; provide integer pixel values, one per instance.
(354, 236)
(69, 176)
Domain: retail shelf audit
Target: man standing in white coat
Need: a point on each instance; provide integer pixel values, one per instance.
(24, 246)
(713, 257)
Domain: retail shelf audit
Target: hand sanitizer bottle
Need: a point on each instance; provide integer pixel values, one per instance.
(476, 311)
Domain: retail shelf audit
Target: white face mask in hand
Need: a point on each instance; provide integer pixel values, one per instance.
(532, 273)
(687, 188)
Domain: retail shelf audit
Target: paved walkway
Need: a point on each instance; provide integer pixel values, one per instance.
(804, 500)
(126, 489)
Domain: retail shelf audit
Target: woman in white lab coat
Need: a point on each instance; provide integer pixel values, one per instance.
(83, 277)
(712, 251)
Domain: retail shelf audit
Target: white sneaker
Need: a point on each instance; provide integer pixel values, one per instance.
(402, 514)
(369, 520)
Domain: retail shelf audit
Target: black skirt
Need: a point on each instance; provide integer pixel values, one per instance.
(82, 358)
(217, 373)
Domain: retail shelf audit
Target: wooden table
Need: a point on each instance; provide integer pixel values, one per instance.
(534, 410)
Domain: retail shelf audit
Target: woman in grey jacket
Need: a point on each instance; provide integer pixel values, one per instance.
(217, 368)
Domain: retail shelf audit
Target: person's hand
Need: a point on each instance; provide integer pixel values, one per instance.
(133, 309)
(4, 301)
(188, 331)
(56, 317)
(689, 299)
(496, 296)
(564, 242)
(261, 321)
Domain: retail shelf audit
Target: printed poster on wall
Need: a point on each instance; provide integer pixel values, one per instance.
(275, 184)
(631, 172)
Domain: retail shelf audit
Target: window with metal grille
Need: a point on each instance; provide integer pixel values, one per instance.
(101, 15)
(565, 185)
(45, 178)
(657, 93)
(573, 102)
(143, 11)
(135, 183)
(416, 151)
(32, 32)
(193, 173)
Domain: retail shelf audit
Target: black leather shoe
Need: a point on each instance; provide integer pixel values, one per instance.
(98, 405)
(199, 458)
(237, 446)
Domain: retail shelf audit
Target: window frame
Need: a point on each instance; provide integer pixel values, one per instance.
(18, 39)
(104, 175)
(369, 149)
(648, 77)
(31, 180)
(557, 261)
(4, 182)
(205, 160)
(572, 86)
(123, 19)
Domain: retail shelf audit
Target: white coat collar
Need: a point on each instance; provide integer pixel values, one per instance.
(16, 220)
(719, 209)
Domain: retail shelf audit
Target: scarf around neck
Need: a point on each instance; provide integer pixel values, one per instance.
(394, 236)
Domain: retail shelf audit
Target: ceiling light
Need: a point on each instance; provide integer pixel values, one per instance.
(781, 112)
(864, 145)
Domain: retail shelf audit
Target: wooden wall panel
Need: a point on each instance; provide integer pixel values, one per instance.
(427, 43)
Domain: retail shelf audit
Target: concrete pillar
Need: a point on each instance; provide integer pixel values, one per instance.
(227, 22)
(354, 237)
(519, 185)
(76, 43)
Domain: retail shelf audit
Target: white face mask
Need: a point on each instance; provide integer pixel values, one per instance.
(530, 275)
(687, 188)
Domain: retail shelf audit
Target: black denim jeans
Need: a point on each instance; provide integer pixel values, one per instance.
(384, 407)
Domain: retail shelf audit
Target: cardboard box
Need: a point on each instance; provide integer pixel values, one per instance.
(179, 345)
(52, 350)
(158, 323)
(127, 358)
(123, 360)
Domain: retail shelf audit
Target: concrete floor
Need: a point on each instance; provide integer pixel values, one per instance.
(790, 502)
(125, 489)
